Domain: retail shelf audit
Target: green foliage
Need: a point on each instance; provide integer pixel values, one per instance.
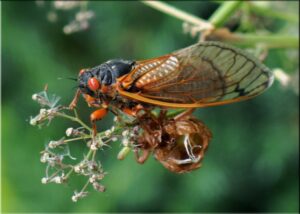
(252, 163)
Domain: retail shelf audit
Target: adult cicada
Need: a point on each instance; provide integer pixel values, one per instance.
(204, 74)
(201, 75)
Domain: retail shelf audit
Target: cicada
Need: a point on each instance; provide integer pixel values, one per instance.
(201, 75)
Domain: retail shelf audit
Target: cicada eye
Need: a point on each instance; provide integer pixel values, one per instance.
(93, 84)
(81, 72)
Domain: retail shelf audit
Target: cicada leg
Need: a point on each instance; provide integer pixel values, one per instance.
(75, 100)
(95, 116)
(133, 111)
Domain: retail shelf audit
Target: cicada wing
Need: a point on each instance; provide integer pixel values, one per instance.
(204, 74)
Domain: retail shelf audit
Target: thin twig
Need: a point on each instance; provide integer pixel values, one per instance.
(269, 41)
(218, 19)
(179, 14)
(270, 12)
(74, 119)
(78, 138)
(225, 11)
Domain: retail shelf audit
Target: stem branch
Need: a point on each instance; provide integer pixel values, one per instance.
(74, 119)
(269, 12)
(179, 14)
(78, 138)
(221, 15)
(270, 41)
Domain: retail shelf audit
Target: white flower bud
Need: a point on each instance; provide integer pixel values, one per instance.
(44, 180)
(100, 176)
(93, 147)
(114, 139)
(79, 195)
(57, 180)
(125, 142)
(112, 129)
(92, 166)
(74, 198)
(33, 121)
(69, 131)
(52, 144)
(123, 153)
(43, 111)
(107, 133)
(125, 133)
(44, 157)
(98, 187)
(77, 169)
(84, 15)
(92, 179)
(35, 97)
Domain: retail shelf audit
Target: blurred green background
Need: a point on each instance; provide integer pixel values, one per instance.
(252, 163)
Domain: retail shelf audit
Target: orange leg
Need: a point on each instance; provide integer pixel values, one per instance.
(133, 111)
(97, 115)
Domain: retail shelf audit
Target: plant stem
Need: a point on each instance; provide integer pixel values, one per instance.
(173, 113)
(270, 41)
(74, 119)
(221, 15)
(78, 138)
(69, 173)
(266, 11)
(85, 186)
(94, 155)
(89, 154)
(179, 14)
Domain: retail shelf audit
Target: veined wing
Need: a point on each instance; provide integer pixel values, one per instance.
(204, 74)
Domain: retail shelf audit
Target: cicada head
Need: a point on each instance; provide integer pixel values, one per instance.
(95, 80)
(88, 82)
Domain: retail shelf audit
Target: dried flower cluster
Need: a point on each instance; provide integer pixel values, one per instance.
(82, 17)
(177, 142)
(60, 165)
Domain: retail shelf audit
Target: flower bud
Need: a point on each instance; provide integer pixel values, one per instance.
(35, 97)
(74, 198)
(94, 147)
(69, 131)
(107, 133)
(125, 133)
(123, 153)
(98, 187)
(125, 142)
(77, 169)
(114, 139)
(45, 180)
(57, 180)
(45, 157)
(33, 121)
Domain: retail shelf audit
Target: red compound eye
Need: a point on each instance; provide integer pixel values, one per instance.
(93, 84)
(81, 71)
